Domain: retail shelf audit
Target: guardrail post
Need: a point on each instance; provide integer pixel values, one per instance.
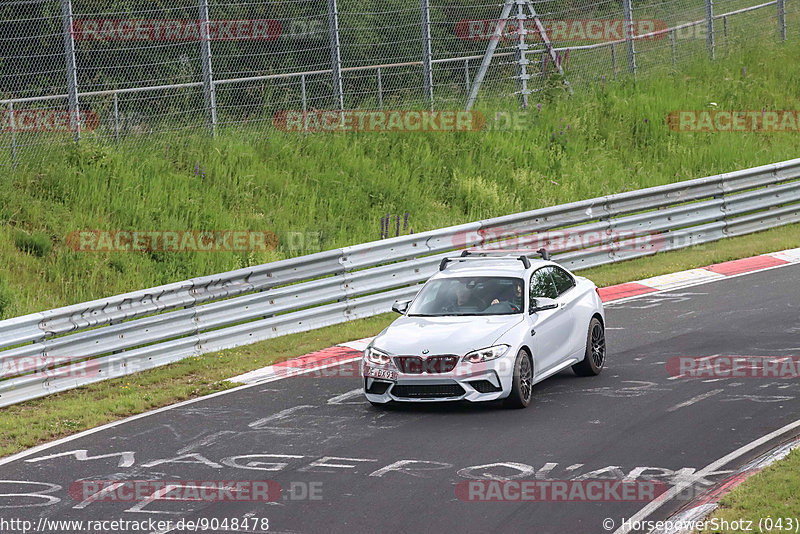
(724, 208)
(627, 10)
(782, 18)
(72, 71)
(427, 56)
(336, 53)
(209, 91)
(710, 28)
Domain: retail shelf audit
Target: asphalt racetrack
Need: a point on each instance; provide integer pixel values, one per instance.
(345, 466)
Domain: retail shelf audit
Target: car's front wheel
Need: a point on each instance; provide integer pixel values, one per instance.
(522, 384)
(595, 358)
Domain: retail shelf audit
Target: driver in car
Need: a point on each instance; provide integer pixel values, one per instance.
(464, 296)
(512, 296)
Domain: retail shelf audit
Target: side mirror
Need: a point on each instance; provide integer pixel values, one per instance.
(543, 303)
(401, 306)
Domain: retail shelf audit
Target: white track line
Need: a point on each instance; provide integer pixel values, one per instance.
(696, 399)
(697, 513)
(710, 468)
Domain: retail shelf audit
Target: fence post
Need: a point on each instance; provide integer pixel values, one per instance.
(12, 124)
(627, 10)
(497, 34)
(782, 19)
(554, 56)
(72, 71)
(710, 27)
(613, 61)
(209, 91)
(380, 90)
(303, 92)
(304, 102)
(427, 56)
(466, 74)
(522, 60)
(672, 46)
(336, 56)
(116, 118)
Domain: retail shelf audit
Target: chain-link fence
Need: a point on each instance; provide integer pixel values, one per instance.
(72, 69)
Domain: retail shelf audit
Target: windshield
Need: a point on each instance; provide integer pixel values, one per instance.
(484, 295)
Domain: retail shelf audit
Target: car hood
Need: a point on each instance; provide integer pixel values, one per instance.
(444, 335)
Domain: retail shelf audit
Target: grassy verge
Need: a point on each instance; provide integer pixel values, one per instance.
(773, 493)
(30, 423)
(329, 190)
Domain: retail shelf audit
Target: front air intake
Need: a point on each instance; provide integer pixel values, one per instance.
(427, 391)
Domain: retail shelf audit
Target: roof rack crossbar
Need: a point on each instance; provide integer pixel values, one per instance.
(485, 252)
(468, 255)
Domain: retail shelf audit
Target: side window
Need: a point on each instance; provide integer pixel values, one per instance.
(542, 284)
(562, 280)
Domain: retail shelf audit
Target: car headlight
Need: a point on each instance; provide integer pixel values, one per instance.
(484, 355)
(376, 357)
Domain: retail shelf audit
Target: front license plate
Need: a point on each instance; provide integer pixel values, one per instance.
(373, 372)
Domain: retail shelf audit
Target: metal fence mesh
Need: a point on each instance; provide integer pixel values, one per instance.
(151, 66)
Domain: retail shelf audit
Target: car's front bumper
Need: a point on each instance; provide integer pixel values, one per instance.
(471, 382)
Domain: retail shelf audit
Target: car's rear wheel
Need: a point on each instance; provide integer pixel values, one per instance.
(522, 384)
(595, 358)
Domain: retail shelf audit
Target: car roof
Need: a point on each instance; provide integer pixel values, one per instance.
(490, 267)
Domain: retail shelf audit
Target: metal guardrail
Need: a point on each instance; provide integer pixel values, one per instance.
(120, 335)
